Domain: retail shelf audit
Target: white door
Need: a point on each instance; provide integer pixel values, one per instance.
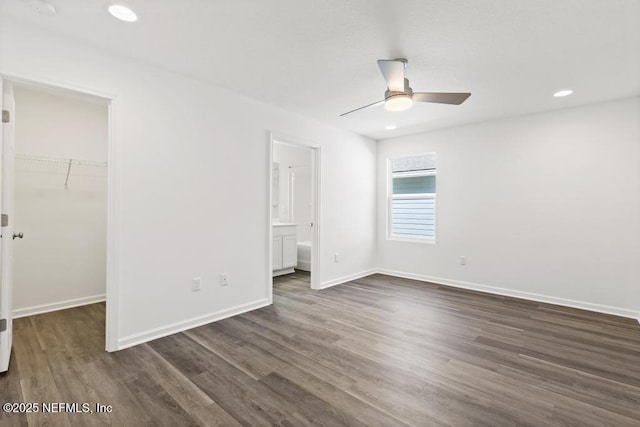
(6, 207)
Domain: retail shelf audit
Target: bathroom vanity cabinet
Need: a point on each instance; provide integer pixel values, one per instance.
(284, 248)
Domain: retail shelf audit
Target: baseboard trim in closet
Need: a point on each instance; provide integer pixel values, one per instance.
(55, 306)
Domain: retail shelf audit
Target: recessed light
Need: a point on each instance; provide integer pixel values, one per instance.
(123, 13)
(561, 93)
(43, 7)
(390, 127)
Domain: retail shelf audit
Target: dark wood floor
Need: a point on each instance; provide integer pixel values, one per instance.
(378, 351)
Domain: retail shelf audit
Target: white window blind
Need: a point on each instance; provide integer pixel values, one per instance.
(412, 197)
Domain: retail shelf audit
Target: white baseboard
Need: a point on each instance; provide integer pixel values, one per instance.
(277, 273)
(599, 308)
(55, 306)
(344, 279)
(150, 335)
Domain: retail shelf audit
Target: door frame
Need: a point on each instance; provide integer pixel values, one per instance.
(275, 137)
(113, 196)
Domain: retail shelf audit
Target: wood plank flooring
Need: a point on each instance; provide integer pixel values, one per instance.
(378, 351)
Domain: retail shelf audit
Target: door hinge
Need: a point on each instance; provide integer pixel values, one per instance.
(3, 325)
(5, 116)
(4, 220)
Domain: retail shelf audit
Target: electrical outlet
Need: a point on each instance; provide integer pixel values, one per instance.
(336, 257)
(463, 260)
(224, 279)
(196, 282)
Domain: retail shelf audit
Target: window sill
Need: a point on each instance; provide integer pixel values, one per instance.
(422, 241)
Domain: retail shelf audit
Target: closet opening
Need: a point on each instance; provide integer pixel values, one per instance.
(60, 198)
(293, 214)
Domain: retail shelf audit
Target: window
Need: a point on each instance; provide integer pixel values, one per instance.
(412, 198)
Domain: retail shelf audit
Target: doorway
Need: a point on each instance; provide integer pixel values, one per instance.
(60, 200)
(294, 209)
(60, 176)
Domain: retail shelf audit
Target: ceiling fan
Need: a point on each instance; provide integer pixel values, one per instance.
(399, 96)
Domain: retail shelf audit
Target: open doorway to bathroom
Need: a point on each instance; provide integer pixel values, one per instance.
(293, 213)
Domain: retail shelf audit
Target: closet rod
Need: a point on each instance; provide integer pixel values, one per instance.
(66, 161)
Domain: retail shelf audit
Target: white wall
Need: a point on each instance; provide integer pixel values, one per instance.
(178, 143)
(297, 161)
(545, 204)
(62, 258)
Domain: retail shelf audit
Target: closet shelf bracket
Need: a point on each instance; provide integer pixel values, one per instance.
(66, 181)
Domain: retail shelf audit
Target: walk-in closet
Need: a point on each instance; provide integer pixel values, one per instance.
(60, 200)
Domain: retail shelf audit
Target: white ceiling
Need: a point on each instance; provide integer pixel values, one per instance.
(318, 58)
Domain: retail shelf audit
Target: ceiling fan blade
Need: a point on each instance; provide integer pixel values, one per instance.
(441, 98)
(393, 72)
(362, 108)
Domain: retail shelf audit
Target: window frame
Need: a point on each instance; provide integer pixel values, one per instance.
(417, 196)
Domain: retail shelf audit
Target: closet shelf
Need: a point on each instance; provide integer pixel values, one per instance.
(66, 161)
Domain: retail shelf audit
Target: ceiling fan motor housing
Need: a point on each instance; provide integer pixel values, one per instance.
(407, 91)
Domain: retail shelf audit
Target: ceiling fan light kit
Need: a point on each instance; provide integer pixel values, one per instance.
(399, 96)
(399, 102)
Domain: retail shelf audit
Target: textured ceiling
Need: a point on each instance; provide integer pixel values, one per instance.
(318, 58)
